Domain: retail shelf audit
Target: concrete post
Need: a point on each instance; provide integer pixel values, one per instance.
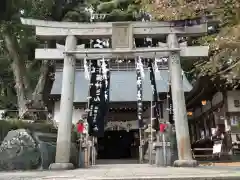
(66, 109)
(158, 152)
(179, 107)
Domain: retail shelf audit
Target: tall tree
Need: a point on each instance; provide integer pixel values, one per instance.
(18, 43)
(116, 10)
(16, 49)
(224, 44)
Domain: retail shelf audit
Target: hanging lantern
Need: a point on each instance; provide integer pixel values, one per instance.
(204, 102)
(190, 113)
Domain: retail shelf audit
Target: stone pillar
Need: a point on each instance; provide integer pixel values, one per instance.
(179, 107)
(66, 109)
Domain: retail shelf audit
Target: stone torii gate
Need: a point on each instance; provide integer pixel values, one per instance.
(122, 35)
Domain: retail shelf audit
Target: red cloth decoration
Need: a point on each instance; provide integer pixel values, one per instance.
(80, 127)
(162, 127)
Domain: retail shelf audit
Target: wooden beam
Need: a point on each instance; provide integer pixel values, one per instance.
(190, 52)
(123, 50)
(57, 24)
(53, 30)
(61, 33)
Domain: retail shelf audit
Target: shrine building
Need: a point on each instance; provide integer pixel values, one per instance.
(125, 86)
(122, 111)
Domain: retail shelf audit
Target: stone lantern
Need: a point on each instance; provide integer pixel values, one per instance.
(150, 136)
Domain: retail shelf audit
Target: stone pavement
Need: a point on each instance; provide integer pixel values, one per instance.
(128, 172)
(220, 164)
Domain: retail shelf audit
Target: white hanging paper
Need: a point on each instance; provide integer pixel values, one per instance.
(104, 69)
(140, 67)
(86, 69)
(156, 70)
(217, 148)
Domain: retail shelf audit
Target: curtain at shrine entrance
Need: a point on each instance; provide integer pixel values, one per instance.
(118, 145)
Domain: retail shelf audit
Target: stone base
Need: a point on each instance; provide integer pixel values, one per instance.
(185, 163)
(61, 166)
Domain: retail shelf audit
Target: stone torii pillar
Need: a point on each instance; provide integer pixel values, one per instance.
(62, 160)
(179, 107)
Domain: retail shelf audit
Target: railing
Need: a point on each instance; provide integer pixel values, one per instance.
(119, 65)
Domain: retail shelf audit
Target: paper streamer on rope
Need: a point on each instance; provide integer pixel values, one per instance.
(104, 69)
(182, 74)
(140, 67)
(156, 70)
(86, 69)
(105, 73)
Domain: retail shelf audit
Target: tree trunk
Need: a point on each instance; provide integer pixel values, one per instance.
(18, 67)
(37, 96)
(26, 97)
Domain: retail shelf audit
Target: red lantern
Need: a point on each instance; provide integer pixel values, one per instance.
(80, 127)
(162, 127)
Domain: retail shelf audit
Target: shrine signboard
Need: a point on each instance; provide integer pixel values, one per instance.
(122, 36)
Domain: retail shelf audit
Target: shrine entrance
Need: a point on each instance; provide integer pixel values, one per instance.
(120, 142)
(117, 145)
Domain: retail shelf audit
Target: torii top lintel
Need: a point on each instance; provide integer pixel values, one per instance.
(54, 29)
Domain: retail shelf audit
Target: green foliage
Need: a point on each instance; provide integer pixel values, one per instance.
(6, 126)
(224, 45)
(33, 126)
(106, 7)
(25, 41)
(7, 94)
(58, 10)
(118, 10)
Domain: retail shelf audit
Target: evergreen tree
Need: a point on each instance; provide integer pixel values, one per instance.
(30, 79)
(117, 10)
(224, 44)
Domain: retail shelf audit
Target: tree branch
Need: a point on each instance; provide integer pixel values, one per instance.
(229, 68)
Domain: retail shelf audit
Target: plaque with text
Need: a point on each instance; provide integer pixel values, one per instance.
(122, 36)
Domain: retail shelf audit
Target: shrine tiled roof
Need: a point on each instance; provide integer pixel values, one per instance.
(123, 86)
